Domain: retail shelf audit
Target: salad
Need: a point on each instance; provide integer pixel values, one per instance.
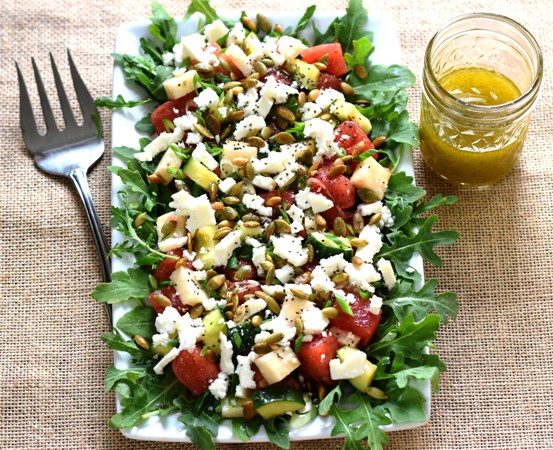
(271, 234)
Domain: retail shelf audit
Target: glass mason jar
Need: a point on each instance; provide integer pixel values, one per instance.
(482, 75)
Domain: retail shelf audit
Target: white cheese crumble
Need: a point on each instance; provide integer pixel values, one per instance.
(323, 133)
(319, 203)
(186, 122)
(256, 203)
(352, 367)
(225, 247)
(226, 185)
(284, 274)
(226, 354)
(290, 248)
(201, 154)
(314, 322)
(371, 234)
(276, 91)
(248, 124)
(387, 272)
(206, 98)
(327, 97)
(219, 386)
(376, 305)
(197, 209)
(245, 374)
(163, 362)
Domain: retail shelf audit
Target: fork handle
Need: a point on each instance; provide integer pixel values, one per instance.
(78, 177)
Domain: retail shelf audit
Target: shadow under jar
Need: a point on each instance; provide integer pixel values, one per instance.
(482, 75)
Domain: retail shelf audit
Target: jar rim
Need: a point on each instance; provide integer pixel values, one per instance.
(524, 98)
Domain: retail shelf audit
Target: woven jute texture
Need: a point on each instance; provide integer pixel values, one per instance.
(498, 392)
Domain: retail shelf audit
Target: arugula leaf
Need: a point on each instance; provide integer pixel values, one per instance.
(401, 186)
(163, 27)
(124, 152)
(404, 405)
(402, 131)
(144, 125)
(203, 7)
(401, 247)
(124, 286)
(202, 423)
(383, 78)
(358, 421)
(404, 300)
(303, 22)
(278, 431)
(334, 396)
(362, 49)
(116, 342)
(245, 429)
(138, 321)
(119, 102)
(408, 338)
(154, 394)
(115, 375)
(437, 200)
(133, 179)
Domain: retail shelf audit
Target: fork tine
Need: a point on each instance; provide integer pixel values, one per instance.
(66, 110)
(26, 115)
(44, 102)
(85, 99)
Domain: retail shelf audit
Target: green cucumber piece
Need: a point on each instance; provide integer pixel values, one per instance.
(276, 400)
(214, 323)
(200, 174)
(327, 244)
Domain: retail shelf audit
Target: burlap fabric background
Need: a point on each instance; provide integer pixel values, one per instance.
(498, 393)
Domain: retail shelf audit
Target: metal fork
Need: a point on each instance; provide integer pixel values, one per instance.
(69, 152)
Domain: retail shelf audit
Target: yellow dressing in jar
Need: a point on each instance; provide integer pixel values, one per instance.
(481, 77)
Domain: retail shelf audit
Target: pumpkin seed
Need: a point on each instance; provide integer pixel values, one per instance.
(272, 304)
(250, 172)
(346, 159)
(249, 24)
(378, 141)
(270, 276)
(324, 59)
(357, 261)
(284, 138)
(240, 161)
(259, 67)
(239, 313)
(230, 201)
(340, 227)
(233, 76)
(228, 98)
(264, 23)
(221, 233)
(213, 124)
(273, 338)
(347, 89)
(270, 230)
(211, 355)
(320, 220)
(217, 206)
(196, 311)
(236, 190)
(357, 149)
(298, 293)
(302, 98)
(321, 66)
(230, 85)
(215, 282)
(303, 278)
(375, 219)
(360, 71)
(266, 133)
(204, 69)
(367, 195)
(248, 188)
(226, 131)
(299, 326)
(358, 222)
(235, 116)
(169, 227)
(281, 226)
(256, 320)
(225, 64)
(268, 62)
(330, 313)
(229, 213)
(266, 265)
(374, 392)
(213, 190)
(310, 252)
(249, 83)
(161, 300)
(281, 123)
(252, 224)
(312, 96)
(340, 278)
(358, 242)
(225, 224)
(203, 131)
(285, 113)
(322, 391)
(256, 141)
(325, 116)
(141, 342)
(210, 274)
(237, 90)
(190, 242)
(338, 162)
(140, 219)
(278, 29)
(181, 262)
(262, 348)
(273, 201)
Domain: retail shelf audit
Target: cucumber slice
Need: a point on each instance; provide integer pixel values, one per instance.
(214, 323)
(200, 174)
(327, 244)
(276, 400)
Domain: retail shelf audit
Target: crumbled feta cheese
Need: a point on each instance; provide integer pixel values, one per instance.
(240, 60)
(284, 274)
(172, 243)
(290, 47)
(225, 247)
(194, 138)
(167, 321)
(273, 289)
(314, 322)
(198, 264)
(168, 58)
(310, 110)
(323, 133)
(320, 281)
(333, 264)
(263, 106)
(362, 275)
(387, 220)
(247, 124)
(173, 353)
(245, 372)
(302, 198)
(198, 209)
(158, 145)
(189, 332)
(256, 203)
(274, 163)
(226, 185)
(253, 306)
(327, 97)
(186, 122)
(319, 203)
(258, 256)
(160, 340)
(345, 338)
(263, 182)
(376, 305)
(226, 354)
(280, 325)
(296, 214)
(201, 154)
(236, 35)
(287, 175)
(206, 98)
(387, 272)
(247, 101)
(368, 209)
(276, 91)
(290, 248)
(219, 386)
(371, 234)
